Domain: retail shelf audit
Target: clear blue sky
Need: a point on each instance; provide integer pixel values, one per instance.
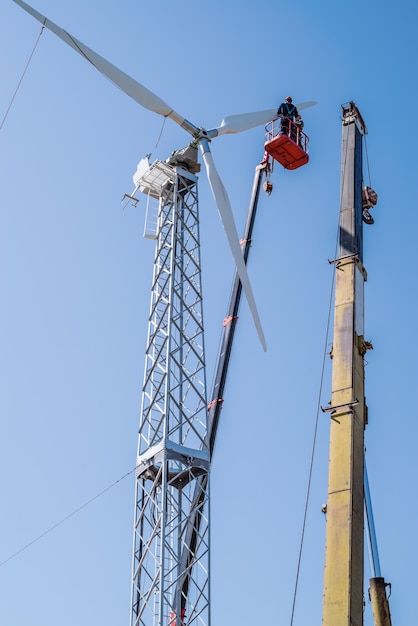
(75, 287)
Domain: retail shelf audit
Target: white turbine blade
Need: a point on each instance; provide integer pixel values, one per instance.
(306, 105)
(245, 121)
(225, 212)
(131, 87)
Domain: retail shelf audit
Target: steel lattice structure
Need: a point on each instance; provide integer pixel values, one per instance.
(171, 538)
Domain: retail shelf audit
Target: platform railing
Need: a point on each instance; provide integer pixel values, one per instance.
(285, 126)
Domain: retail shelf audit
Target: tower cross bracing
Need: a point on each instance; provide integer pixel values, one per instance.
(171, 538)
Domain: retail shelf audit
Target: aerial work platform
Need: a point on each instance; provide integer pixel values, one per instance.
(286, 143)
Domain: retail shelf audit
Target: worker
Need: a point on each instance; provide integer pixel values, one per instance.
(288, 111)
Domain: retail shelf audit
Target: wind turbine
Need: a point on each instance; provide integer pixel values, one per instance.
(229, 125)
(170, 582)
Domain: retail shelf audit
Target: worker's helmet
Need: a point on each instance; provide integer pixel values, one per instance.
(288, 99)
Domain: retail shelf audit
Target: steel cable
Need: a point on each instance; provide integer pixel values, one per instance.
(21, 78)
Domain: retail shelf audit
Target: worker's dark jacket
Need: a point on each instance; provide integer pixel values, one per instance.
(288, 110)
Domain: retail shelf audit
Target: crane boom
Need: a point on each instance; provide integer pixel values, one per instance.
(344, 552)
(195, 518)
(343, 602)
(232, 315)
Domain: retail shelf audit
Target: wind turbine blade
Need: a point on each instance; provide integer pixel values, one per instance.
(227, 218)
(131, 87)
(245, 121)
(306, 105)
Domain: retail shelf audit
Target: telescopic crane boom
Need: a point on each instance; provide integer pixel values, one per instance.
(197, 512)
(232, 315)
(343, 600)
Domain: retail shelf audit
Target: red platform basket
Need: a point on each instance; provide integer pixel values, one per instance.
(289, 148)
